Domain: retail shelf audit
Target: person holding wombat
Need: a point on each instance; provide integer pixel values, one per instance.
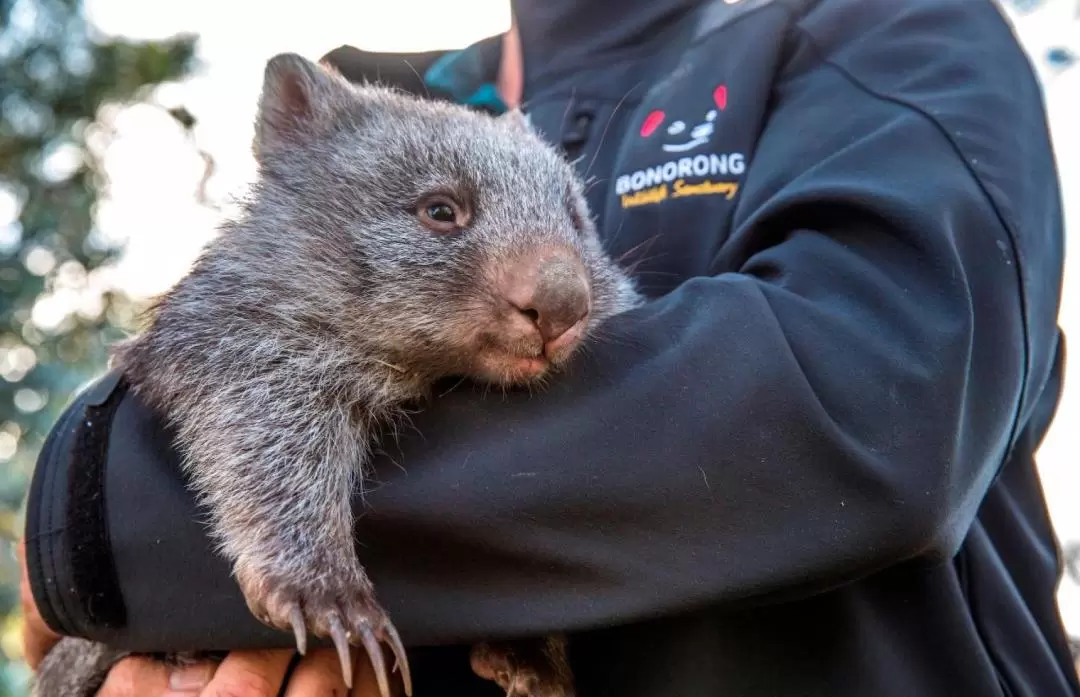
(802, 464)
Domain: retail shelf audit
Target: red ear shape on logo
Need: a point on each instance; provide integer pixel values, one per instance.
(719, 96)
(652, 122)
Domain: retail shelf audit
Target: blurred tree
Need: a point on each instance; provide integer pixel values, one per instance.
(57, 314)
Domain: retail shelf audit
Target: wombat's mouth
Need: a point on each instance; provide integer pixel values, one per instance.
(527, 367)
(507, 369)
(521, 364)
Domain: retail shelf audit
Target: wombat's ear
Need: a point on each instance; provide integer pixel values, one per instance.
(299, 100)
(518, 120)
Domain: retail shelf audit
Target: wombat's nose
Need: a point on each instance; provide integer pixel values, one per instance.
(558, 300)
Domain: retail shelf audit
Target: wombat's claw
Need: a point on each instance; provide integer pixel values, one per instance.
(345, 617)
(296, 619)
(511, 682)
(370, 642)
(400, 663)
(344, 651)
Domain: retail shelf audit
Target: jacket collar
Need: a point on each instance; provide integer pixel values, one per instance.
(556, 33)
(466, 76)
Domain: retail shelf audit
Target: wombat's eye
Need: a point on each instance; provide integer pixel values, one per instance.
(576, 218)
(441, 214)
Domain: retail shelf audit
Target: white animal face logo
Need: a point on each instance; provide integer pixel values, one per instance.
(699, 134)
(679, 136)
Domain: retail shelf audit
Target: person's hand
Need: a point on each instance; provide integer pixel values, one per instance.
(241, 674)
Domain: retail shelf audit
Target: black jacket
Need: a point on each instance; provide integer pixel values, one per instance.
(804, 469)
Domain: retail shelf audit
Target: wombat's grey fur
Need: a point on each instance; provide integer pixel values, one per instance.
(74, 668)
(388, 242)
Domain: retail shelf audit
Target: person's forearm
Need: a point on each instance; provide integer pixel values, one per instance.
(834, 400)
(675, 467)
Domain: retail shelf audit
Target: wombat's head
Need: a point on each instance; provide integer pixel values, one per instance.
(445, 241)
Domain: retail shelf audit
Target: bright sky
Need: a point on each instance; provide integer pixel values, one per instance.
(154, 171)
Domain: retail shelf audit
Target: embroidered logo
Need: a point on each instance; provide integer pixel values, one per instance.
(699, 134)
(691, 175)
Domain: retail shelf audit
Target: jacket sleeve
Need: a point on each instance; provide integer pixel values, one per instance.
(835, 400)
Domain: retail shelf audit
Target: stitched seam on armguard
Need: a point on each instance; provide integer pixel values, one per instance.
(55, 529)
(42, 531)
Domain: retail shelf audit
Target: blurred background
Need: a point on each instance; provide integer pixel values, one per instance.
(125, 128)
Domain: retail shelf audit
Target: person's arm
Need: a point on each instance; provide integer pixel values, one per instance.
(835, 402)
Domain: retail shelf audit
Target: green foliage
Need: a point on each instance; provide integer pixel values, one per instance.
(56, 314)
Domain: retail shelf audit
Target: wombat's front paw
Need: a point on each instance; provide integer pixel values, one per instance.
(327, 608)
(526, 668)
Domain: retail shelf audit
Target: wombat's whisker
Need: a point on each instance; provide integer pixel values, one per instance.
(452, 387)
(607, 125)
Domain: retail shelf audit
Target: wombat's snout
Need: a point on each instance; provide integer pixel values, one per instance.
(551, 291)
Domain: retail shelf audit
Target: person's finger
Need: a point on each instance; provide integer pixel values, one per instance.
(250, 674)
(139, 676)
(192, 679)
(318, 673)
(36, 636)
(136, 677)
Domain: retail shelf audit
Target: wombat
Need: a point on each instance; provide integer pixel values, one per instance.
(387, 243)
